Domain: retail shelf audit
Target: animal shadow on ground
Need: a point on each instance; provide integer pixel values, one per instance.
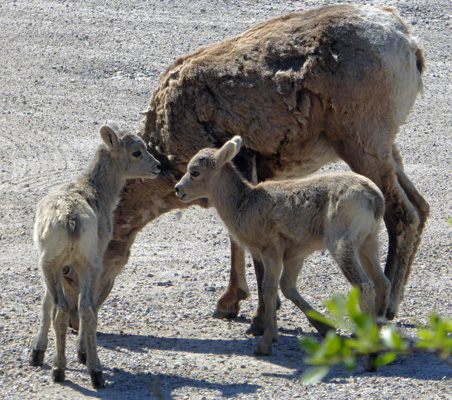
(287, 354)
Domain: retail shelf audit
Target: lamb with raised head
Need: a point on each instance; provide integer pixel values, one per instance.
(72, 230)
(281, 223)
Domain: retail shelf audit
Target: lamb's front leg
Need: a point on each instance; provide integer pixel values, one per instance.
(272, 271)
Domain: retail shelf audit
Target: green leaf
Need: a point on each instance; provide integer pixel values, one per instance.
(336, 305)
(353, 303)
(391, 338)
(349, 362)
(309, 344)
(320, 317)
(385, 358)
(314, 374)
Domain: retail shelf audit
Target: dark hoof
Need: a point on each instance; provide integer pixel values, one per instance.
(255, 330)
(390, 315)
(223, 314)
(58, 375)
(369, 362)
(74, 322)
(97, 379)
(81, 357)
(37, 357)
(322, 328)
(262, 351)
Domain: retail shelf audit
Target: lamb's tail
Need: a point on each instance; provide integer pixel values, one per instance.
(73, 226)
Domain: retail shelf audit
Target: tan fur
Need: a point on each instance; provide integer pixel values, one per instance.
(73, 227)
(302, 90)
(281, 223)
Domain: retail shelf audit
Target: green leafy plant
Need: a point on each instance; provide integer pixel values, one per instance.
(358, 334)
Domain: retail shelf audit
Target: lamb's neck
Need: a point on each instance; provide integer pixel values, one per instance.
(230, 196)
(103, 175)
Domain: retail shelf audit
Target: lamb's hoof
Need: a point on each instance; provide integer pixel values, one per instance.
(97, 379)
(37, 357)
(58, 375)
(224, 314)
(81, 357)
(255, 330)
(262, 350)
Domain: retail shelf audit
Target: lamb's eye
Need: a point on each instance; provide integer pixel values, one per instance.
(194, 174)
(136, 153)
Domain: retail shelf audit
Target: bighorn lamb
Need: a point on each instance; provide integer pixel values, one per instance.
(281, 223)
(73, 227)
(302, 90)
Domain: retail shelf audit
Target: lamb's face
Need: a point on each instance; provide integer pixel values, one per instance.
(196, 182)
(136, 161)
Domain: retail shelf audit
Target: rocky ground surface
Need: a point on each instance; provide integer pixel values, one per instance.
(66, 67)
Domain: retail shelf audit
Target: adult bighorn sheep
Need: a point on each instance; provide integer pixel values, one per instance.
(281, 223)
(73, 227)
(302, 90)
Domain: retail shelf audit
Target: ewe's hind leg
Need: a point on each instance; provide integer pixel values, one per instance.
(40, 343)
(288, 281)
(369, 257)
(421, 205)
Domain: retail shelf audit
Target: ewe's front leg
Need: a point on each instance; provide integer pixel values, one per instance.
(228, 304)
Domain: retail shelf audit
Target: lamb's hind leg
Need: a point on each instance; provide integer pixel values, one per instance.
(40, 343)
(345, 254)
(288, 281)
(60, 324)
(402, 219)
(369, 258)
(89, 274)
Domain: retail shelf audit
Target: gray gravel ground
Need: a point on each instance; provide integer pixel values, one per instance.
(66, 67)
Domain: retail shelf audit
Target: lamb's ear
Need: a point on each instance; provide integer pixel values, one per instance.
(113, 125)
(109, 137)
(228, 151)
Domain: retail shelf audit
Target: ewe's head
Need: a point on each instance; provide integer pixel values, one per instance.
(203, 168)
(130, 153)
